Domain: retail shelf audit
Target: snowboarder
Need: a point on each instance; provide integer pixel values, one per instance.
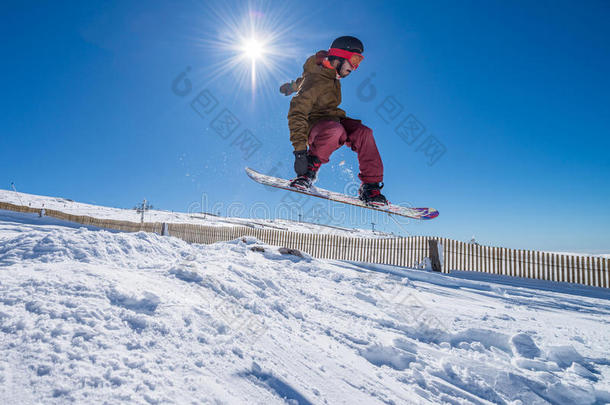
(318, 127)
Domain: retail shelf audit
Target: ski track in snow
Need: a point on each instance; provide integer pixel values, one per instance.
(91, 316)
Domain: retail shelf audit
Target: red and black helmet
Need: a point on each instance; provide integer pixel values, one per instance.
(347, 43)
(348, 48)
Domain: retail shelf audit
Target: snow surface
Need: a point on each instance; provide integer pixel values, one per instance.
(92, 316)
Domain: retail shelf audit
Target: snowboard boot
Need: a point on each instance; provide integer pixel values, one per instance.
(370, 193)
(305, 181)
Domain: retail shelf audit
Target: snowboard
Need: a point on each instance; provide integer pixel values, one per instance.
(409, 212)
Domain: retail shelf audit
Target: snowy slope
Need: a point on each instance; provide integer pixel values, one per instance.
(97, 211)
(92, 316)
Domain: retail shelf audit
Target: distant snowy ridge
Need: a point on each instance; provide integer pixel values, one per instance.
(97, 211)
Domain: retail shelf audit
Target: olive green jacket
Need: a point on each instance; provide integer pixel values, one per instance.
(318, 98)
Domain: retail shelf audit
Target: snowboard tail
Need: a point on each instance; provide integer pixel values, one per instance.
(408, 212)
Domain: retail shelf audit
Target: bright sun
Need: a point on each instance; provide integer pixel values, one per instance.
(253, 48)
(249, 43)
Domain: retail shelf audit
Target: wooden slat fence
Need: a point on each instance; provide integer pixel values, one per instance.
(87, 220)
(405, 252)
(579, 269)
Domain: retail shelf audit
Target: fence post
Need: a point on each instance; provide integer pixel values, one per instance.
(434, 255)
(164, 231)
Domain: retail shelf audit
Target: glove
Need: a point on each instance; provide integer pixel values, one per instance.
(286, 89)
(300, 162)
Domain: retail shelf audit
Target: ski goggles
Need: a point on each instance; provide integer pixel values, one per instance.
(354, 58)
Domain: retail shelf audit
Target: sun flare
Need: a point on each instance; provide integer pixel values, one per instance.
(252, 45)
(253, 49)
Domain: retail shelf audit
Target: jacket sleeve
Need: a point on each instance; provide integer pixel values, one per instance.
(298, 114)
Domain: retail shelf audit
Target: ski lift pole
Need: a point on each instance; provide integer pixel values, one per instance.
(399, 224)
(142, 211)
(16, 192)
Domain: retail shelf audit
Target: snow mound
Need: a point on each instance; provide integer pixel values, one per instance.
(94, 316)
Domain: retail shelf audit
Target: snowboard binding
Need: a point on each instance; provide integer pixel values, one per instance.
(370, 194)
(305, 181)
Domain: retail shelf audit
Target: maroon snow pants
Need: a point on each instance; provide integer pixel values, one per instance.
(327, 136)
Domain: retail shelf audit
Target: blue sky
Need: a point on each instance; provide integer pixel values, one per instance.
(517, 95)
